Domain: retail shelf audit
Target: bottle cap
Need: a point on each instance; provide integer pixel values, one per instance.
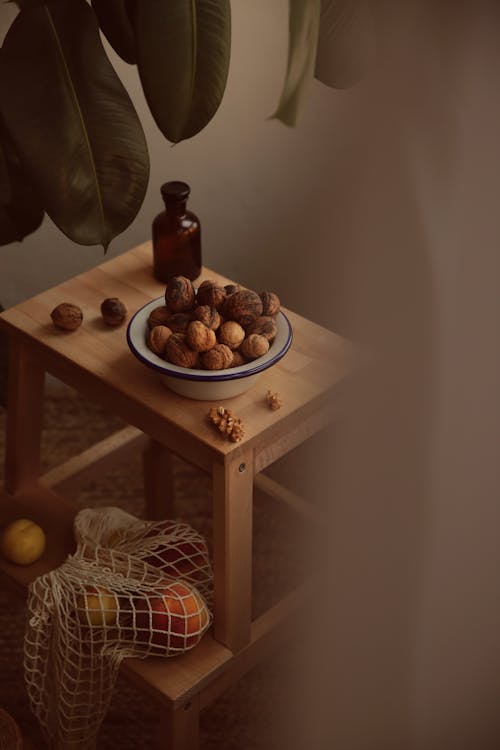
(175, 191)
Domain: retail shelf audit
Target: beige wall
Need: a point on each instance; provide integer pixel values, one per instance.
(379, 216)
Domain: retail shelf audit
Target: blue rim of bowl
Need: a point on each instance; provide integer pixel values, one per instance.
(199, 375)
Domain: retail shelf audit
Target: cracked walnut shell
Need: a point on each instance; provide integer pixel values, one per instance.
(66, 316)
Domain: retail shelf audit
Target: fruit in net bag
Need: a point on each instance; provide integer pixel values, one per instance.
(97, 607)
(173, 619)
(180, 552)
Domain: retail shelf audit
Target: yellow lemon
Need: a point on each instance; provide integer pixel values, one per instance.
(22, 542)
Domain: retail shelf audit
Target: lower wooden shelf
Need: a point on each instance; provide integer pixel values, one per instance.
(207, 670)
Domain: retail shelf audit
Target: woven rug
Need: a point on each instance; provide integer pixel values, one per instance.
(245, 716)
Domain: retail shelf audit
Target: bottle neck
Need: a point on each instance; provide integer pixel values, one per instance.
(175, 208)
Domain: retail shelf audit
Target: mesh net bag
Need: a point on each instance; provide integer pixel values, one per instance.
(132, 588)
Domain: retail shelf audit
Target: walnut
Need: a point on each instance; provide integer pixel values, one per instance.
(254, 346)
(67, 316)
(265, 325)
(232, 288)
(227, 423)
(179, 294)
(210, 293)
(178, 322)
(270, 303)
(207, 315)
(243, 307)
(218, 358)
(200, 338)
(178, 352)
(159, 316)
(157, 339)
(113, 311)
(238, 359)
(231, 334)
(273, 400)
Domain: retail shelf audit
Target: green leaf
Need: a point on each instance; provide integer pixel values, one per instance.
(72, 122)
(183, 49)
(114, 20)
(21, 212)
(346, 43)
(303, 38)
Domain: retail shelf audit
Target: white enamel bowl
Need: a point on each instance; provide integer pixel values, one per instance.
(205, 385)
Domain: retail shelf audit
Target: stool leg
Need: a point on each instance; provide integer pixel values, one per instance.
(157, 462)
(24, 419)
(180, 728)
(232, 514)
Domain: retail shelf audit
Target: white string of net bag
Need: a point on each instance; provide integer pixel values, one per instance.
(107, 602)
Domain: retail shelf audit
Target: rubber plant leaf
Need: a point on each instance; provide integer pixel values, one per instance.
(114, 20)
(72, 122)
(21, 212)
(183, 49)
(303, 30)
(346, 44)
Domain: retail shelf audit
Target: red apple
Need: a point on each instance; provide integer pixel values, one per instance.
(173, 621)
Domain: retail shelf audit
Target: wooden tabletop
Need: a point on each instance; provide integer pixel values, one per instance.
(96, 360)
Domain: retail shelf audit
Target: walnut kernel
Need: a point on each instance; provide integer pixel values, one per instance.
(67, 316)
(227, 423)
(273, 400)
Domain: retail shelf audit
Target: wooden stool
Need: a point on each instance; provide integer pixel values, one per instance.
(95, 360)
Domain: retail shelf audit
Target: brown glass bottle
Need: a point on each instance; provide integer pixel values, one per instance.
(176, 236)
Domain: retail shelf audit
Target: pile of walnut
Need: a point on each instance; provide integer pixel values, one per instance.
(213, 328)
